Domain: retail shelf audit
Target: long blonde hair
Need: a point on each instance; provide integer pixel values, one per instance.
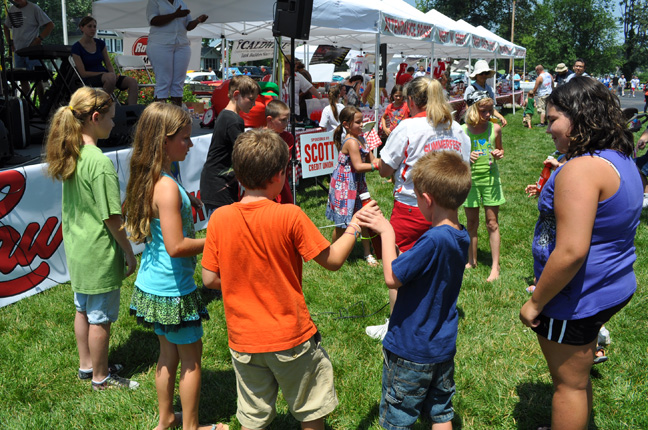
(427, 93)
(158, 121)
(64, 138)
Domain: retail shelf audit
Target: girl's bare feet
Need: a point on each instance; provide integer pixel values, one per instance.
(470, 265)
(177, 422)
(494, 274)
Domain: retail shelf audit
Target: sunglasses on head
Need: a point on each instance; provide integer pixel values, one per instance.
(97, 108)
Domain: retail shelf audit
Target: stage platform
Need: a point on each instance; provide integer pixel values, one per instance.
(33, 152)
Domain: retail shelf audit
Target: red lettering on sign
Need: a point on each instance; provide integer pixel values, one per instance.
(139, 47)
(17, 250)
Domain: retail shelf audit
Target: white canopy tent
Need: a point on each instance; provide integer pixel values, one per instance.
(356, 24)
(350, 23)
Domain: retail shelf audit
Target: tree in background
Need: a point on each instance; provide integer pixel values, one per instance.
(634, 19)
(553, 31)
(75, 10)
(494, 15)
(571, 29)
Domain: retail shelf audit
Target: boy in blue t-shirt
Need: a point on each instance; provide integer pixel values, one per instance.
(419, 348)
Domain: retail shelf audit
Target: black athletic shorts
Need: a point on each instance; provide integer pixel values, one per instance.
(576, 332)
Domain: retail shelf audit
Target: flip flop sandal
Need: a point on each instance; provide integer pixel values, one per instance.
(371, 260)
(600, 358)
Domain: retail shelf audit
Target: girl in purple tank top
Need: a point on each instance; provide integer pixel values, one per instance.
(583, 245)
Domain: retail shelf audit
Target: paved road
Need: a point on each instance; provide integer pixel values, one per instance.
(636, 102)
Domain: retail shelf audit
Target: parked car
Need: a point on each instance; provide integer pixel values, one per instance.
(202, 83)
(253, 71)
(209, 78)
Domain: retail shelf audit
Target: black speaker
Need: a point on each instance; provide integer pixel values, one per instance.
(126, 117)
(6, 150)
(16, 120)
(292, 18)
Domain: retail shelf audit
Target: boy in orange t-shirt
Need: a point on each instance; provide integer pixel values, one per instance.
(253, 253)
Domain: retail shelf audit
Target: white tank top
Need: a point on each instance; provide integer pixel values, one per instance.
(545, 86)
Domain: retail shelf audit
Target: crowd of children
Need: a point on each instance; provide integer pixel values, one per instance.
(243, 180)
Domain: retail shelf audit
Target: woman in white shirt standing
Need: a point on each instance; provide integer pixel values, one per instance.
(168, 46)
(331, 113)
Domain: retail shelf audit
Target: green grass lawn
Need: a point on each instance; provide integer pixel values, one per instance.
(502, 379)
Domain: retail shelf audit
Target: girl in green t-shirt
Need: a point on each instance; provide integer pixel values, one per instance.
(91, 208)
(486, 148)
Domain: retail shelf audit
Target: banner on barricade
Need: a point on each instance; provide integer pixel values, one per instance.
(32, 256)
(252, 50)
(318, 154)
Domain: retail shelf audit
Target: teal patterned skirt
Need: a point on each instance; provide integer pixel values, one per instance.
(180, 311)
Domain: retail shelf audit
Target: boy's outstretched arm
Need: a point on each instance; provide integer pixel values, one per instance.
(377, 222)
(333, 257)
(211, 279)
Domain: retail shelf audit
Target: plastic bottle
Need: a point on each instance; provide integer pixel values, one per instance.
(546, 173)
(376, 242)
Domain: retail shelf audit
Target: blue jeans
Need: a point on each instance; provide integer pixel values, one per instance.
(410, 389)
(642, 164)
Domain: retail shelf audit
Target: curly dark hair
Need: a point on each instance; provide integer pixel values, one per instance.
(596, 117)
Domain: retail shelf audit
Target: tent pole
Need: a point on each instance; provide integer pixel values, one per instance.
(227, 63)
(276, 76)
(376, 84)
(470, 69)
(512, 83)
(524, 67)
(64, 22)
(292, 102)
(223, 44)
(432, 60)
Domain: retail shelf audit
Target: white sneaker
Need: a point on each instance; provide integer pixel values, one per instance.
(378, 331)
(604, 337)
(645, 201)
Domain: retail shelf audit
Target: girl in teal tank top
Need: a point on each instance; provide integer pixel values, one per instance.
(158, 212)
(486, 190)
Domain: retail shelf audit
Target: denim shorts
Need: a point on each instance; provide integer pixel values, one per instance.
(179, 335)
(411, 389)
(100, 308)
(642, 164)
